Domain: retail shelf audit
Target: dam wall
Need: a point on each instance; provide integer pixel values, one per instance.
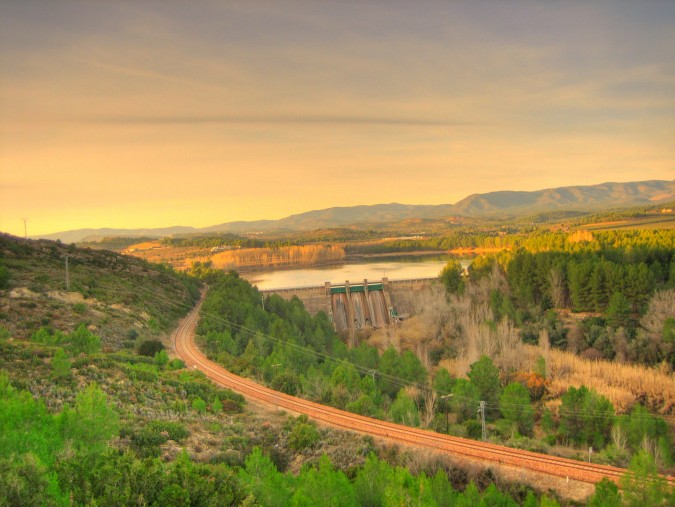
(360, 305)
(315, 299)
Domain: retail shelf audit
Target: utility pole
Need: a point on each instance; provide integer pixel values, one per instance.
(481, 411)
(68, 277)
(447, 417)
(25, 228)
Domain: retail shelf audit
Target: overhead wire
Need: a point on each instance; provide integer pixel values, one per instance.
(394, 380)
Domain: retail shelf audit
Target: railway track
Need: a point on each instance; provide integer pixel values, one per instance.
(185, 347)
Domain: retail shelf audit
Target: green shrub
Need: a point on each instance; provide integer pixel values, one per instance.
(303, 435)
(150, 348)
(176, 364)
(161, 359)
(4, 277)
(141, 371)
(174, 430)
(83, 341)
(199, 405)
(473, 429)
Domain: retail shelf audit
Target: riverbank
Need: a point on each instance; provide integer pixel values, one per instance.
(384, 255)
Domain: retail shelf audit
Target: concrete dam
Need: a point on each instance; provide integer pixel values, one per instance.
(354, 306)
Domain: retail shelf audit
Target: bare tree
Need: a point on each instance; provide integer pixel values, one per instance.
(510, 346)
(661, 308)
(545, 346)
(575, 339)
(429, 407)
(620, 343)
(559, 295)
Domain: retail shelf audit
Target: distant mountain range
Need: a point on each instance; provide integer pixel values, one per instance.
(492, 204)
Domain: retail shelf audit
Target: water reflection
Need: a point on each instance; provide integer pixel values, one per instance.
(394, 268)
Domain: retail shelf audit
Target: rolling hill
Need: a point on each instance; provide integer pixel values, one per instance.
(493, 204)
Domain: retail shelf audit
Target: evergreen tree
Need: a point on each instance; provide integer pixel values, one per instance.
(484, 375)
(93, 421)
(403, 410)
(323, 487)
(83, 341)
(464, 401)
(372, 481)
(606, 494)
(451, 277)
(515, 406)
(262, 478)
(618, 311)
(642, 485)
(60, 365)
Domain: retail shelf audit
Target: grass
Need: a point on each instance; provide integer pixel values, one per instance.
(622, 384)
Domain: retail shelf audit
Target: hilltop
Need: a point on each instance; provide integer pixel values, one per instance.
(502, 204)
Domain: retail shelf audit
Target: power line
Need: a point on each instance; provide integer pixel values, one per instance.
(397, 381)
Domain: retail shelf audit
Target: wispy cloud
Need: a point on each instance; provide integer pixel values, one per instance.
(146, 73)
(328, 120)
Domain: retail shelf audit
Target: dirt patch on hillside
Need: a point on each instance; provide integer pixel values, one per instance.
(71, 297)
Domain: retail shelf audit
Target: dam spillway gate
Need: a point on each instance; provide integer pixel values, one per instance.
(359, 306)
(354, 306)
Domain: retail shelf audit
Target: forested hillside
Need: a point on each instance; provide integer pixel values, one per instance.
(277, 342)
(93, 411)
(620, 284)
(122, 298)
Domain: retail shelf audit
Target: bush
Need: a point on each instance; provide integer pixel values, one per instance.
(161, 359)
(199, 405)
(286, 383)
(176, 364)
(4, 277)
(302, 436)
(83, 341)
(174, 430)
(474, 429)
(150, 348)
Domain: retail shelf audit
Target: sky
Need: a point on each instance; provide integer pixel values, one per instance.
(142, 113)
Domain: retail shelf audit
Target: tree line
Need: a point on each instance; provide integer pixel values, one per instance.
(625, 281)
(224, 239)
(288, 255)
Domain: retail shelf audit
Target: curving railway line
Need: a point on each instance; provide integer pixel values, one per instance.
(185, 347)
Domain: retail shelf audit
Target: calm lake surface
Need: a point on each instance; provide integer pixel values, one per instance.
(394, 268)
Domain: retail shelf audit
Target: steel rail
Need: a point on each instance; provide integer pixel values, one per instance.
(185, 347)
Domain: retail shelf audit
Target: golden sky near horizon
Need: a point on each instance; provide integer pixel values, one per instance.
(151, 114)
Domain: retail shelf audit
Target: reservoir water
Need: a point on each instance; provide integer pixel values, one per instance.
(374, 269)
